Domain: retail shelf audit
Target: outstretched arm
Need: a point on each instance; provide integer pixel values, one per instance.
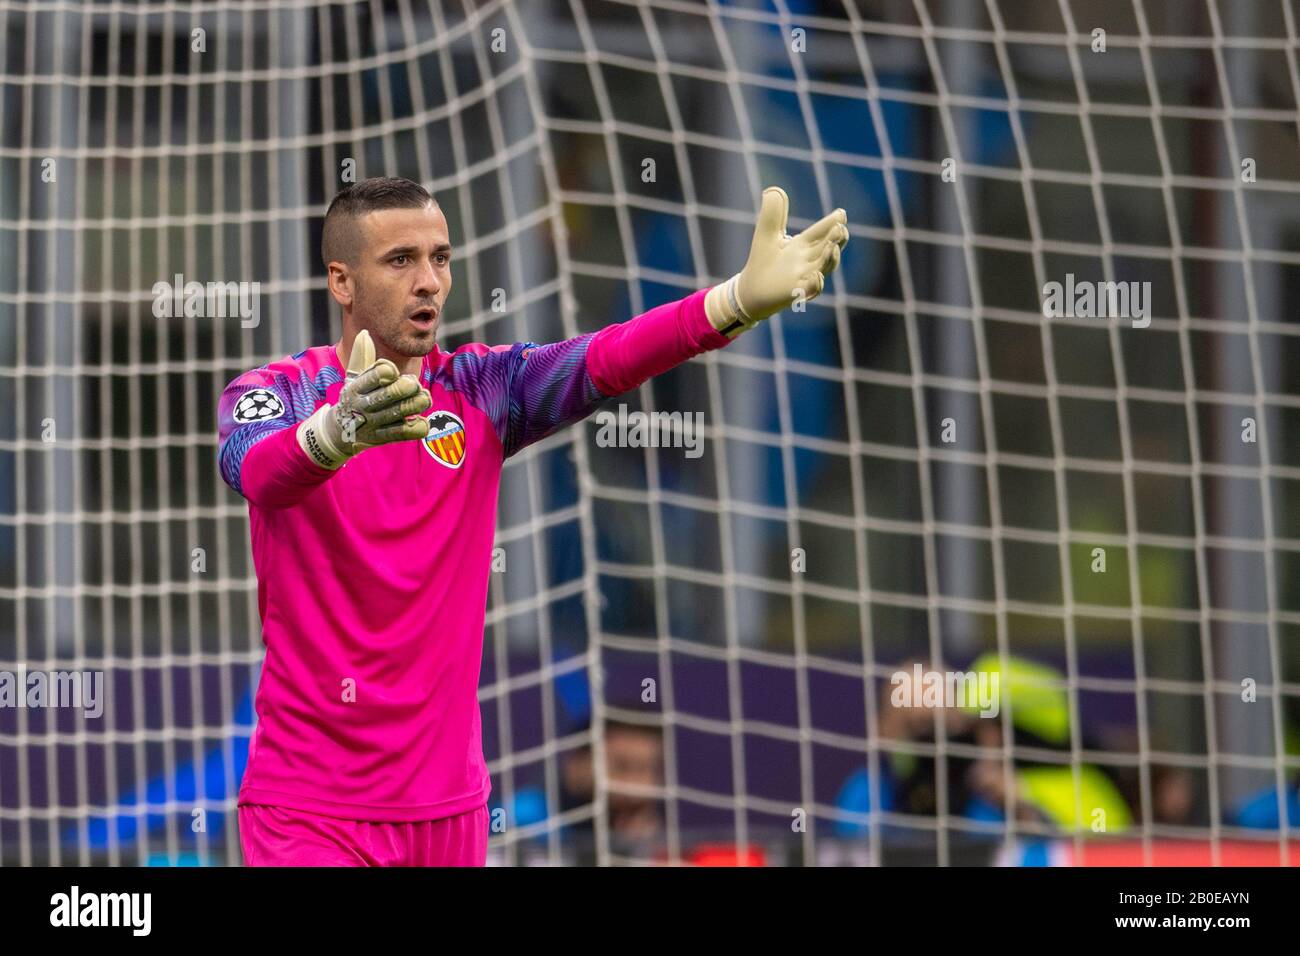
(550, 386)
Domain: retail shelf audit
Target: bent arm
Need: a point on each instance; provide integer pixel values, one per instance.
(261, 458)
(277, 473)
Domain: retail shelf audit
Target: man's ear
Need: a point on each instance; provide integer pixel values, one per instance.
(341, 285)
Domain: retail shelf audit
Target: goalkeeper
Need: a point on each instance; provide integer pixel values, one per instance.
(371, 471)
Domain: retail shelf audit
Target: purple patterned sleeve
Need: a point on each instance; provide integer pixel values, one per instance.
(253, 407)
(258, 454)
(528, 390)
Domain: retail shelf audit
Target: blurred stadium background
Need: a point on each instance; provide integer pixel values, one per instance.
(135, 149)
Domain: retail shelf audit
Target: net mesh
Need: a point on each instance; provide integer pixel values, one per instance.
(686, 652)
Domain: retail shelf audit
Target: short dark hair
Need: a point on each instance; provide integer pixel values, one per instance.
(340, 239)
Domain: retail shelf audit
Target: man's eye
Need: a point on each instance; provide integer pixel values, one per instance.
(443, 257)
(400, 260)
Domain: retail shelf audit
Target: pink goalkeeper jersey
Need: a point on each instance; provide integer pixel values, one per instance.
(372, 580)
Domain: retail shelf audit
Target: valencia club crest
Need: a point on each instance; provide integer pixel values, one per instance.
(446, 439)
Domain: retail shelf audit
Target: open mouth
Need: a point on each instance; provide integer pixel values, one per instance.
(424, 318)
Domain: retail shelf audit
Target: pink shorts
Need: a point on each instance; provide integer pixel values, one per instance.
(278, 836)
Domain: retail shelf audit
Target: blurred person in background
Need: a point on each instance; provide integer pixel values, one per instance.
(1043, 789)
(634, 764)
(908, 781)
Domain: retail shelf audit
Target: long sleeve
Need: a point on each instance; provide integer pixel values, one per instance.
(623, 356)
(529, 391)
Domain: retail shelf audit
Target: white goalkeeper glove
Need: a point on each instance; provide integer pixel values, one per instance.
(780, 268)
(376, 406)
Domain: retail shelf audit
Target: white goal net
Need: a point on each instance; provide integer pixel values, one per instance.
(690, 649)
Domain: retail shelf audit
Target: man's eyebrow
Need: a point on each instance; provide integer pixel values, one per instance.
(412, 250)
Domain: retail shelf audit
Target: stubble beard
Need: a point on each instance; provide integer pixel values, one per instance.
(393, 332)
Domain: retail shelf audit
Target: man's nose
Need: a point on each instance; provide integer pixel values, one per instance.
(426, 281)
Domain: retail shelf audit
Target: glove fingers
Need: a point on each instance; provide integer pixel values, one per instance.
(812, 285)
(378, 375)
(419, 402)
(398, 391)
(772, 214)
(830, 258)
(826, 227)
(405, 430)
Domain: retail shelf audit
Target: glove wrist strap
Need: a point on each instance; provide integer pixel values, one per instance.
(727, 315)
(313, 438)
